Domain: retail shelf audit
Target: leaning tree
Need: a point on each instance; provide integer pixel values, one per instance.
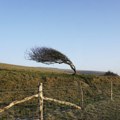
(49, 56)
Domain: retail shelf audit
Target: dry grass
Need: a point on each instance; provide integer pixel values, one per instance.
(17, 82)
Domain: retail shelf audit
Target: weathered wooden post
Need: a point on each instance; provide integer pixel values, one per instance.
(111, 91)
(40, 98)
(82, 99)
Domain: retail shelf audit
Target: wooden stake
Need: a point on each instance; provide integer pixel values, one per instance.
(111, 91)
(40, 98)
(82, 99)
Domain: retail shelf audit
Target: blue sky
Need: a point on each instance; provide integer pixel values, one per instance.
(87, 31)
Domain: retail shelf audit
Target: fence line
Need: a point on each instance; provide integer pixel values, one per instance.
(41, 98)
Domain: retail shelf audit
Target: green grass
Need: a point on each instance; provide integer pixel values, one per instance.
(18, 82)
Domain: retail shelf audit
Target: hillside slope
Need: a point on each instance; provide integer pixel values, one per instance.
(18, 82)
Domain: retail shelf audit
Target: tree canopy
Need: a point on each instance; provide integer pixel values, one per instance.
(49, 56)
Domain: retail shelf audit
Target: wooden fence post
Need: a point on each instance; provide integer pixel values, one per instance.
(40, 98)
(111, 93)
(82, 99)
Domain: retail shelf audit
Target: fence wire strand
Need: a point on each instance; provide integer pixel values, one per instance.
(52, 111)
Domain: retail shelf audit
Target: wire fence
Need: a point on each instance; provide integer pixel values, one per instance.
(30, 110)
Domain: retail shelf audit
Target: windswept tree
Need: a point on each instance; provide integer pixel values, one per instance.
(49, 56)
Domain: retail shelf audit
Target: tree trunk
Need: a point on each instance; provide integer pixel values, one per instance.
(73, 68)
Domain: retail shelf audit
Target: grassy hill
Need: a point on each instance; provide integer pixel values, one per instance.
(18, 82)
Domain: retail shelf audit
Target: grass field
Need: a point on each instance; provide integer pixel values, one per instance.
(18, 82)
